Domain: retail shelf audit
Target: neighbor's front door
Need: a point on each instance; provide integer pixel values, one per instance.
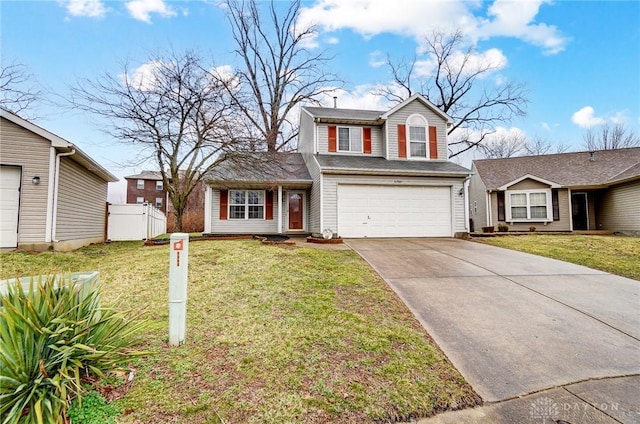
(296, 201)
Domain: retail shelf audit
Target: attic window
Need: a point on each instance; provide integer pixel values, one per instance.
(417, 132)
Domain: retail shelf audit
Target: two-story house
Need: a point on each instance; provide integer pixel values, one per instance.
(358, 173)
(147, 187)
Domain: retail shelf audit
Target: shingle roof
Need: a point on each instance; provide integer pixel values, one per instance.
(567, 169)
(262, 167)
(145, 175)
(378, 165)
(345, 115)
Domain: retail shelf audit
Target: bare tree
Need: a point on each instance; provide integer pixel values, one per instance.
(19, 92)
(540, 146)
(608, 137)
(505, 146)
(278, 71)
(176, 112)
(458, 87)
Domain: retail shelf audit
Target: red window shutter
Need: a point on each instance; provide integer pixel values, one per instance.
(333, 145)
(433, 143)
(366, 140)
(224, 203)
(402, 141)
(268, 204)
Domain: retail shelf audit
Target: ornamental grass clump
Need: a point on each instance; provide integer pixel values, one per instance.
(52, 336)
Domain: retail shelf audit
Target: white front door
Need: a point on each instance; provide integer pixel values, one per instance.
(9, 205)
(392, 211)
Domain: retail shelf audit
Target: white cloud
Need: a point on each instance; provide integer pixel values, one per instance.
(361, 97)
(144, 77)
(505, 18)
(586, 118)
(89, 8)
(333, 40)
(142, 9)
(492, 60)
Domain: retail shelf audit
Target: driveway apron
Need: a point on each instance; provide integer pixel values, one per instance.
(511, 322)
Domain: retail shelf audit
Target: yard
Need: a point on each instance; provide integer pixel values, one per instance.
(614, 254)
(274, 334)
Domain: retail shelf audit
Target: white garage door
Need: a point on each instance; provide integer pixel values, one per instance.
(9, 205)
(385, 211)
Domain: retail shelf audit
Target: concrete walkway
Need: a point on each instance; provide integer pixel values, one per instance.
(521, 328)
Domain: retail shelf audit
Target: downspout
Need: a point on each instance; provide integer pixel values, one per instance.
(56, 181)
(465, 194)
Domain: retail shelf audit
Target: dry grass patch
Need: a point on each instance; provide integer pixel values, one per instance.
(614, 254)
(273, 335)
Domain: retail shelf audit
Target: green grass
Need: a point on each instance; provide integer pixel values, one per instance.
(614, 254)
(274, 335)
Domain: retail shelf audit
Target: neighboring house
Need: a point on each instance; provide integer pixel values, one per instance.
(357, 173)
(562, 192)
(147, 187)
(53, 196)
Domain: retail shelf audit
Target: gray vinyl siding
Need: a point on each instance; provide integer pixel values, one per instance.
(322, 133)
(306, 133)
(477, 201)
(528, 184)
(400, 118)
(242, 226)
(330, 192)
(82, 198)
(21, 147)
(314, 194)
(620, 208)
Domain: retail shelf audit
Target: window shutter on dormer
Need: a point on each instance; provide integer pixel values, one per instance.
(402, 141)
(433, 143)
(268, 213)
(366, 140)
(224, 202)
(332, 139)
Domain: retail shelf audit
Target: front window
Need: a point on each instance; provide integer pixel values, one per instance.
(529, 206)
(246, 204)
(139, 200)
(350, 139)
(159, 185)
(418, 143)
(158, 202)
(140, 184)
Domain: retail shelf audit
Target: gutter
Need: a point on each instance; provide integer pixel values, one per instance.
(56, 181)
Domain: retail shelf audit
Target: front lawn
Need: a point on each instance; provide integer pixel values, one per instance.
(615, 254)
(274, 334)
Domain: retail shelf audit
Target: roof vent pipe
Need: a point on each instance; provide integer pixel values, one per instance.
(335, 102)
(592, 156)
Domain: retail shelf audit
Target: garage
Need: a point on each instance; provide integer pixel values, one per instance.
(392, 211)
(10, 205)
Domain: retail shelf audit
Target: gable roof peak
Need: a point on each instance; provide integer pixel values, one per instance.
(418, 97)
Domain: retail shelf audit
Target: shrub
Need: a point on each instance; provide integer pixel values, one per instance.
(503, 228)
(532, 229)
(50, 336)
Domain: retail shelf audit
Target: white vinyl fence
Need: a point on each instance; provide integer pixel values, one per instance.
(135, 222)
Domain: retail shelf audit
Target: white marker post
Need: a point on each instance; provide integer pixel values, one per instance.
(178, 267)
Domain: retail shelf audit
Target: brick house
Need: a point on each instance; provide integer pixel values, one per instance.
(147, 186)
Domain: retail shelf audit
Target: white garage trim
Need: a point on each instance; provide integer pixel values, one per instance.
(394, 211)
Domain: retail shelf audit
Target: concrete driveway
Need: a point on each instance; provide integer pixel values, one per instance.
(514, 323)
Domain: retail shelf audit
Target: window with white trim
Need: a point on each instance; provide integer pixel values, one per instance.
(350, 139)
(532, 205)
(417, 136)
(139, 200)
(246, 204)
(140, 184)
(158, 202)
(159, 185)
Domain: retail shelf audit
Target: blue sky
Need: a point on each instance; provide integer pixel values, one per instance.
(580, 60)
